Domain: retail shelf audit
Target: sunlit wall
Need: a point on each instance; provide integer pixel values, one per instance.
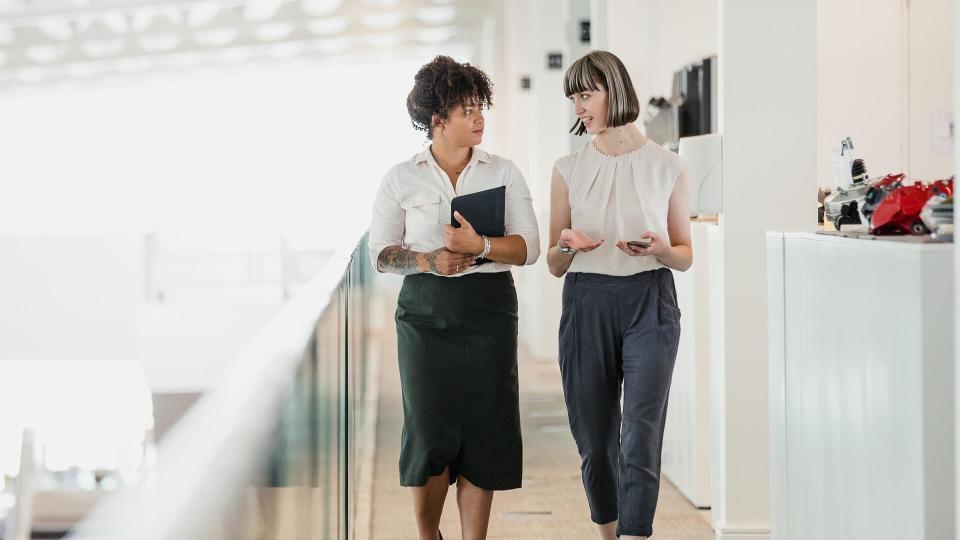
(295, 148)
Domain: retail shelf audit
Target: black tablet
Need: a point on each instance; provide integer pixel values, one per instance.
(483, 209)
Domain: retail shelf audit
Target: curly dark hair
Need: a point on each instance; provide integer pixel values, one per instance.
(442, 85)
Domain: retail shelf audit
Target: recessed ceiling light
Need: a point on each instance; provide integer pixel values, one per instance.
(288, 50)
(116, 21)
(11, 6)
(328, 26)
(95, 30)
(84, 69)
(218, 37)
(104, 25)
(273, 31)
(150, 20)
(434, 36)
(382, 40)
(32, 74)
(320, 8)
(142, 17)
(334, 45)
(185, 59)
(381, 21)
(7, 37)
(437, 15)
(159, 43)
(135, 64)
(100, 48)
(261, 10)
(57, 28)
(201, 13)
(45, 54)
(236, 55)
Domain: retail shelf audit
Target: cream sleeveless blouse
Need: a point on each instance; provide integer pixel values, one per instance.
(619, 198)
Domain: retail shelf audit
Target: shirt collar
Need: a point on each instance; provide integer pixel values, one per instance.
(479, 155)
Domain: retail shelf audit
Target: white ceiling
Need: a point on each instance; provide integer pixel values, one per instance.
(42, 38)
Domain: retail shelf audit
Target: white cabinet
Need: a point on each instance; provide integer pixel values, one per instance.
(686, 444)
(861, 388)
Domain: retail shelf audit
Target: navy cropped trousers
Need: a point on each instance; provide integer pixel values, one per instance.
(619, 337)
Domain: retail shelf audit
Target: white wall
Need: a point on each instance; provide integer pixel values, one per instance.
(536, 122)
(884, 72)
(70, 296)
(930, 92)
(217, 160)
(860, 81)
(760, 193)
(654, 38)
(956, 270)
(257, 148)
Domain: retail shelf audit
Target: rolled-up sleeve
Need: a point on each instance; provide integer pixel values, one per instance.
(387, 222)
(520, 218)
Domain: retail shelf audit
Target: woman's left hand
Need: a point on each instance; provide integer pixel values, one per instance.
(657, 246)
(463, 239)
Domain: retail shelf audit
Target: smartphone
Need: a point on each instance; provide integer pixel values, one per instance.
(638, 244)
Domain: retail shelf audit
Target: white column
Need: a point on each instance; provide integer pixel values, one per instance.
(768, 111)
(534, 126)
(956, 266)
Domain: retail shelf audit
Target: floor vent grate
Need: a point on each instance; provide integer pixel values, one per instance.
(528, 516)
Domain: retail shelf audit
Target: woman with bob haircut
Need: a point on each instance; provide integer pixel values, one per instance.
(619, 221)
(456, 320)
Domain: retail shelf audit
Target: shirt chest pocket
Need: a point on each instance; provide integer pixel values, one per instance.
(423, 215)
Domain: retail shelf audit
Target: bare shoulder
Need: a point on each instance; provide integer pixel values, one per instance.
(566, 164)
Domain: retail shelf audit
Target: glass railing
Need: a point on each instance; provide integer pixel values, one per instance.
(273, 449)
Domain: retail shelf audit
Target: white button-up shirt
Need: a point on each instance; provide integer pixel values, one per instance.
(413, 205)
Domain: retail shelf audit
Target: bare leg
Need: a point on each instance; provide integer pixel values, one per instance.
(428, 505)
(474, 504)
(608, 531)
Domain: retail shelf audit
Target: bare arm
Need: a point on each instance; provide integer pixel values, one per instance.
(397, 260)
(557, 261)
(560, 232)
(508, 250)
(679, 255)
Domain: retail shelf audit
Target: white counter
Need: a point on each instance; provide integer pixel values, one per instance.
(861, 388)
(686, 442)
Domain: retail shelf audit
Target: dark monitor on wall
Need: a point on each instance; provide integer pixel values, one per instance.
(697, 88)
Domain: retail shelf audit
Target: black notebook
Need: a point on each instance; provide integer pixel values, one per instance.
(484, 210)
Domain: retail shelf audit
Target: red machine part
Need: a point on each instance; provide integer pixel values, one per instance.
(899, 212)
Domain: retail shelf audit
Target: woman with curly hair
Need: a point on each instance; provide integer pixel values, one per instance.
(456, 320)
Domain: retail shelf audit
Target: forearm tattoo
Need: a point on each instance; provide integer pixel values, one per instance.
(431, 258)
(396, 260)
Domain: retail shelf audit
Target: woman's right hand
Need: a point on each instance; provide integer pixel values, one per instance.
(578, 240)
(447, 263)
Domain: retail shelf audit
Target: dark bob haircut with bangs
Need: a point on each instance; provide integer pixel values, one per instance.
(602, 69)
(441, 86)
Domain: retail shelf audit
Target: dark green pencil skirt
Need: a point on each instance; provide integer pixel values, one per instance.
(457, 342)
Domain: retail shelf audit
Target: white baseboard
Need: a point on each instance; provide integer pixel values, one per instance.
(740, 533)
